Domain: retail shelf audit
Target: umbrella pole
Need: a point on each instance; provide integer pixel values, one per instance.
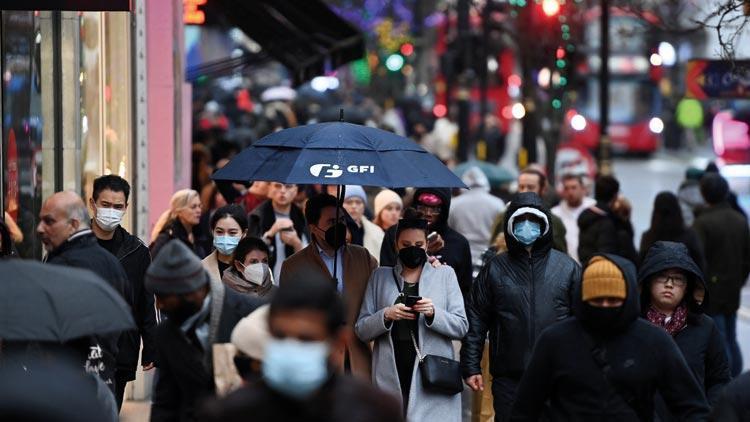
(339, 200)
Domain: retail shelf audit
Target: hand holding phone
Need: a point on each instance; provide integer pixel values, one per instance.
(410, 300)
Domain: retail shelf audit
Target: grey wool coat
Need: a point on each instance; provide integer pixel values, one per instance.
(449, 323)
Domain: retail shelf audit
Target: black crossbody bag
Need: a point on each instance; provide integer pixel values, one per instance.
(439, 374)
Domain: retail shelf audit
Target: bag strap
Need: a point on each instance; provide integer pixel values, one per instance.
(411, 333)
(600, 358)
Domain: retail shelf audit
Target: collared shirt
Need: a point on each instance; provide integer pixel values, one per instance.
(328, 260)
(200, 323)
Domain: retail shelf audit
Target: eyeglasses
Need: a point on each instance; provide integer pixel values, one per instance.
(424, 209)
(678, 280)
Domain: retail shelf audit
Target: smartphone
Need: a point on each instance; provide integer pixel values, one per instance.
(288, 229)
(410, 300)
(431, 237)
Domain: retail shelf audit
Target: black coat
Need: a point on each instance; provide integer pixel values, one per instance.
(515, 297)
(726, 241)
(642, 360)
(261, 220)
(734, 403)
(83, 251)
(135, 259)
(455, 253)
(342, 399)
(175, 230)
(603, 232)
(700, 341)
(185, 375)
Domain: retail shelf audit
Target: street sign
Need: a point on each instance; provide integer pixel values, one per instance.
(717, 79)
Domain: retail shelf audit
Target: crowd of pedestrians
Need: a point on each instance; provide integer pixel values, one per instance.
(337, 311)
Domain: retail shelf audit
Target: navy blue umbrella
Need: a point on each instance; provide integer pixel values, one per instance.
(339, 153)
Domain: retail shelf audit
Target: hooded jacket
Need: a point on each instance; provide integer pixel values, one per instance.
(603, 232)
(700, 341)
(456, 251)
(517, 295)
(641, 360)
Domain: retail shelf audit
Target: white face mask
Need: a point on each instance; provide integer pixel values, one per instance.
(109, 218)
(256, 273)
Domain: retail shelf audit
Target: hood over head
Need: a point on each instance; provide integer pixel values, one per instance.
(445, 196)
(474, 178)
(528, 203)
(664, 255)
(630, 309)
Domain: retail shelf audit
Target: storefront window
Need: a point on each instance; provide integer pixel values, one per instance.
(106, 98)
(22, 125)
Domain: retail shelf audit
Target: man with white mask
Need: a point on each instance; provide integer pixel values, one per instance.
(108, 204)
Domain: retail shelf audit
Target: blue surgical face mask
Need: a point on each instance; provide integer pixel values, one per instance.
(226, 244)
(295, 368)
(527, 232)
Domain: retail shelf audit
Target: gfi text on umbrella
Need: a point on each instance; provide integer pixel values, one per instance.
(332, 171)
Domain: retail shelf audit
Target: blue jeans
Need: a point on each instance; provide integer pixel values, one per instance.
(727, 325)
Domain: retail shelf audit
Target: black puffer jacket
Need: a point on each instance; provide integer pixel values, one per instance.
(700, 340)
(564, 382)
(515, 297)
(456, 251)
(603, 232)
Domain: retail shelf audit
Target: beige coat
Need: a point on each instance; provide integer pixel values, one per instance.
(211, 264)
(358, 265)
(373, 238)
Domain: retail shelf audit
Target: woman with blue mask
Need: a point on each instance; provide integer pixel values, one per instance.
(228, 226)
(409, 310)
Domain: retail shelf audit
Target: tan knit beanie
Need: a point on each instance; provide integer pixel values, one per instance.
(602, 278)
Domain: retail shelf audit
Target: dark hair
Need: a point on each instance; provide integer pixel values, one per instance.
(315, 206)
(234, 211)
(606, 189)
(537, 173)
(412, 219)
(666, 219)
(314, 292)
(568, 177)
(247, 245)
(112, 182)
(714, 188)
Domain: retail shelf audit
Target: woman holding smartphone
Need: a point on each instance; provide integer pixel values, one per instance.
(410, 303)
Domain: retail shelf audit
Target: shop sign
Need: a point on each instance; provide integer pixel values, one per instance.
(718, 79)
(192, 13)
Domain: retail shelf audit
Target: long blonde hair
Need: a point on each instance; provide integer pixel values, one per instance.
(179, 201)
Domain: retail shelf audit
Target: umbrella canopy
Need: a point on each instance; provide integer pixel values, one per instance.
(46, 302)
(496, 174)
(339, 153)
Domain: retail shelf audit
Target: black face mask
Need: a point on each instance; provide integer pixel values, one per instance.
(602, 320)
(183, 311)
(336, 235)
(412, 256)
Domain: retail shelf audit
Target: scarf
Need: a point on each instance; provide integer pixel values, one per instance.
(236, 282)
(675, 325)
